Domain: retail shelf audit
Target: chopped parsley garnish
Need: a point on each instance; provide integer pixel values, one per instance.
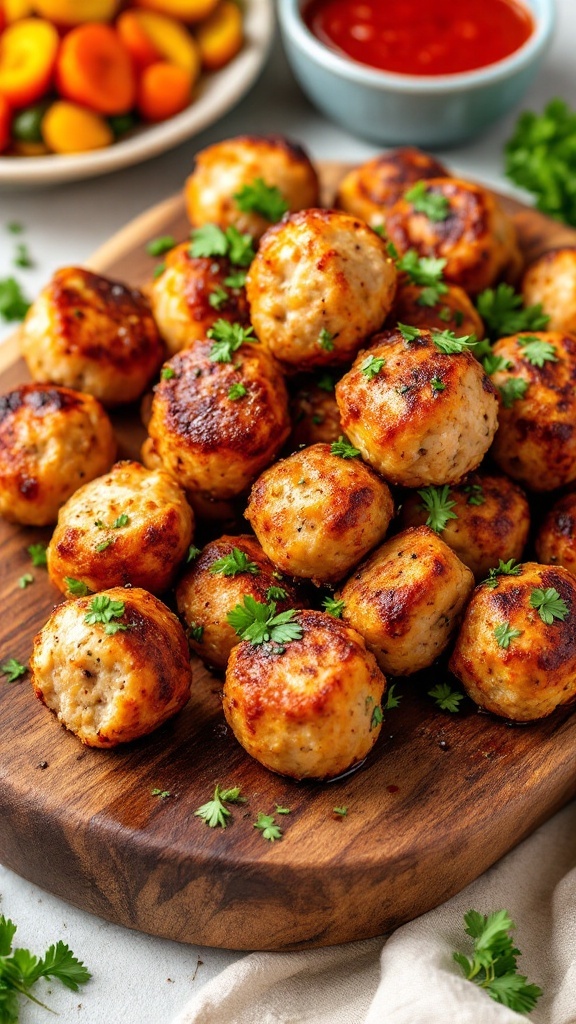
(493, 363)
(237, 391)
(409, 333)
(122, 520)
(437, 384)
(448, 342)
(193, 553)
(333, 607)
(228, 338)
(344, 449)
(509, 568)
(392, 701)
(37, 553)
(214, 813)
(22, 257)
(237, 279)
(13, 304)
(167, 373)
(195, 632)
(436, 501)
(76, 587)
(162, 793)
(326, 340)
(341, 812)
(493, 965)
(446, 698)
(210, 240)
(276, 594)
(25, 580)
(326, 382)
(259, 623)
(503, 312)
(537, 351)
(432, 204)
(504, 635)
(377, 716)
(15, 227)
(103, 610)
(424, 271)
(20, 970)
(371, 366)
(512, 390)
(282, 810)
(158, 270)
(13, 669)
(234, 563)
(159, 246)
(258, 197)
(218, 297)
(475, 494)
(104, 544)
(540, 157)
(549, 605)
(269, 829)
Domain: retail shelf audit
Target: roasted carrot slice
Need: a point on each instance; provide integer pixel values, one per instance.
(28, 51)
(95, 69)
(137, 40)
(220, 36)
(163, 90)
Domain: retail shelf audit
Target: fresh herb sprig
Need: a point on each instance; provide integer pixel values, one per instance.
(104, 610)
(423, 271)
(38, 555)
(258, 197)
(13, 670)
(234, 563)
(446, 698)
(541, 158)
(13, 303)
(210, 240)
(214, 812)
(262, 624)
(493, 965)
(344, 449)
(20, 970)
(503, 312)
(549, 604)
(228, 338)
(425, 200)
(436, 501)
(509, 568)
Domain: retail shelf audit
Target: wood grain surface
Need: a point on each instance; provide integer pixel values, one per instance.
(437, 802)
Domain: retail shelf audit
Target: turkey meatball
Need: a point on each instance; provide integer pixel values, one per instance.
(226, 571)
(314, 413)
(308, 712)
(371, 189)
(406, 600)
(52, 440)
(516, 652)
(426, 417)
(556, 540)
(536, 439)
(132, 526)
(321, 283)
(216, 425)
(192, 293)
(551, 282)
(87, 332)
(113, 667)
(316, 514)
(453, 311)
(468, 229)
(485, 519)
(222, 173)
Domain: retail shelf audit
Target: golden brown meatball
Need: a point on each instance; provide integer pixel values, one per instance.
(371, 189)
(226, 571)
(51, 441)
(536, 439)
(314, 412)
(309, 712)
(556, 540)
(87, 332)
(223, 170)
(216, 425)
(316, 514)
(453, 311)
(113, 667)
(425, 417)
(472, 233)
(192, 294)
(516, 652)
(321, 283)
(551, 282)
(484, 519)
(132, 526)
(226, 513)
(406, 600)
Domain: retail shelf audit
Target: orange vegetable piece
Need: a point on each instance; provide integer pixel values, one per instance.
(70, 128)
(184, 10)
(136, 40)
(94, 69)
(220, 37)
(163, 90)
(28, 51)
(5, 119)
(15, 10)
(75, 12)
(171, 40)
(21, 148)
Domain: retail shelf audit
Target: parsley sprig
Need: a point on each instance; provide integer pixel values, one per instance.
(504, 635)
(509, 568)
(261, 624)
(261, 198)
(13, 669)
(549, 604)
(333, 607)
(37, 553)
(446, 698)
(344, 449)
(449, 343)
(235, 562)
(504, 313)
(103, 610)
(76, 587)
(228, 338)
(493, 964)
(541, 157)
(512, 391)
(20, 970)
(214, 812)
(371, 366)
(268, 827)
(424, 271)
(436, 501)
(210, 240)
(536, 350)
(13, 303)
(432, 204)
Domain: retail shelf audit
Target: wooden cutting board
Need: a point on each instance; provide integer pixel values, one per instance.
(438, 801)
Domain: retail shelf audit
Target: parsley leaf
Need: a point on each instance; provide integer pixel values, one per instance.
(193, 553)
(475, 494)
(159, 246)
(158, 270)
(25, 580)
(537, 351)
(437, 385)
(377, 717)
(260, 624)
(493, 363)
(333, 607)
(503, 312)
(13, 304)
(438, 503)
(261, 198)
(344, 449)
(326, 382)
(512, 390)
(392, 701)
(167, 373)
(236, 280)
(162, 793)
(218, 297)
(510, 568)
(37, 553)
(276, 594)
(22, 257)
(237, 391)
(214, 813)
(234, 563)
(372, 366)
(493, 964)
(549, 604)
(267, 826)
(341, 812)
(446, 699)
(195, 632)
(409, 333)
(282, 810)
(103, 609)
(76, 587)
(504, 635)
(448, 342)
(541, 158)
(240, 247)
(210, 240)
(13, 669)
(20, 970)
(425, 271)
(326, 340)
(228, 338)
(432, 204)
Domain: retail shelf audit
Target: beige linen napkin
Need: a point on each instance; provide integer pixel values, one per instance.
(410, 978)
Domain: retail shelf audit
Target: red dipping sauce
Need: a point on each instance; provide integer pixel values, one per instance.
(421, 37)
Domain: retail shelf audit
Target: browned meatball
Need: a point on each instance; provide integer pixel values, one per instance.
(314, 413)
(113, 667)
(52, 440)
(516, 651)
(320, 284)
(406, 600)
(316, 514)
(551, 281)
(485, 519)
(453, 311)
(87, 332)
(224, 573)
(308, 712)
(471, 232)
(192, 293)
(371, 189)
(205, 508)
(216, 425)
(425, 417)
(556, 540)
(536, 439)
(223, 170)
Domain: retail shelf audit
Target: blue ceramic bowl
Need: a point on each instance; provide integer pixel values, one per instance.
(438, 110)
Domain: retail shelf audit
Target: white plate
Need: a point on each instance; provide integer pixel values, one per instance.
(218, 92)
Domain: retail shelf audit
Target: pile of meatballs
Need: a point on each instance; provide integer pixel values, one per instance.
(309, 411)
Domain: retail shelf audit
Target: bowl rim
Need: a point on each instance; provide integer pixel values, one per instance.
(293, 26)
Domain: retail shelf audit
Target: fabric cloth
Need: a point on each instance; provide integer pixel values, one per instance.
(410, 977)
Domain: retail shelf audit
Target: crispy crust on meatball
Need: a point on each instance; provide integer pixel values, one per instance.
(225, 168)
(309, 712)
(453, 311)
(556, 540)
(405, 427)
(209, 441)
(320, 284)
(492, 521)
(551, 281)
(316, 514)
(477, 239)
(371, 189)
(110, 689)
(536, 439)
(143, 551)
(205, 597)
(536, 671)
(191, 294)
(52, 440)
(314, 414)
(406, 600)
(87, 332)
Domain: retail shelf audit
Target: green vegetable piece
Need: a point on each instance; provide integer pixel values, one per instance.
(27, 123)
(493, 965)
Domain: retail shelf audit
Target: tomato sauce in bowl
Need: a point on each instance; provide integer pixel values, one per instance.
(421, 37)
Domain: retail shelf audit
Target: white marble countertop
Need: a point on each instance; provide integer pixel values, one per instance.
(138, 979)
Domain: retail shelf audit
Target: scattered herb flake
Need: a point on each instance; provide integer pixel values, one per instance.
(377, 717)
(333, 607)
(162, 793)
(436, 501)
(193, 553)
(236, 280)
(437, 384)
(409, 333)
(13, 304)
(237, 391)
(160, 246)
(195, 632)
(22, 257)
(214, 813)
(37, 553)
(228, 338)
(13, 669)
(167, 373)
(76, 587)
(268, 827)
(235, 562)
(258, 197)
(209, 240)
(450, 343)
(282, 810)
(218, 297)
(103, 610)
(504, 634)
(549, 605)
(392, 701)
(341, 812)
(512, 390)
(475, 494)
(344, 449)
(25, 580)
(425, 200)
(276, 594)
(509, 568)
(446, 698)
(536, 350)
(503, 313)
(326, 340)
(158, 270)
(371, 366)
(259, 623)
